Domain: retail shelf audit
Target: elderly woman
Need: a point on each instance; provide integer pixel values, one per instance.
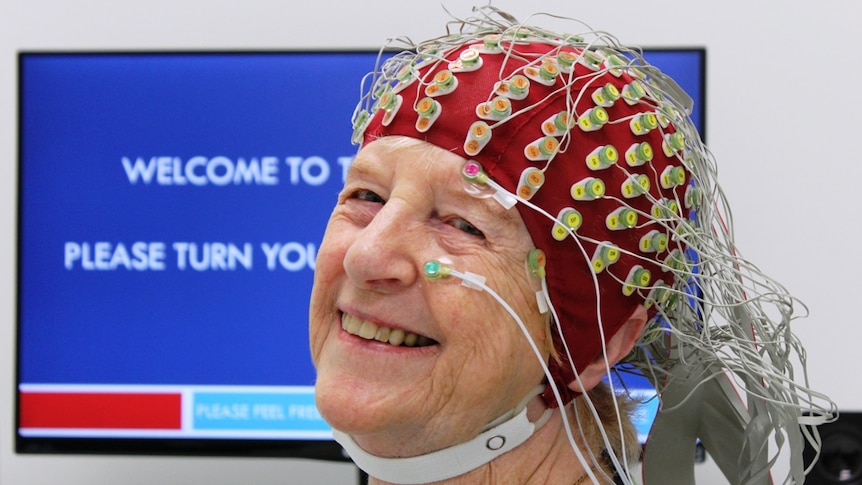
(528, 212)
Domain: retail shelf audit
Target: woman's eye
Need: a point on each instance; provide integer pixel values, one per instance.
(368, 196)
(465, 226)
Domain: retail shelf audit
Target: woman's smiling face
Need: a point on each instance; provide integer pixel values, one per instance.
(462, 360)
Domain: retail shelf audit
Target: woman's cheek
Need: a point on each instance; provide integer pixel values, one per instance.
(322, 310)
(318, 331)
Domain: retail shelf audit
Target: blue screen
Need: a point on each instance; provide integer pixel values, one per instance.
(171, 206)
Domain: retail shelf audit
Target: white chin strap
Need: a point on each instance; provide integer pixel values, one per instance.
(501, 436)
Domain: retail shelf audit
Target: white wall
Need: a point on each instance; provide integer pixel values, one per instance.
(783, 120)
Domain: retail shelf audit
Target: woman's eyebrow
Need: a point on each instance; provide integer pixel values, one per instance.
(361, 167)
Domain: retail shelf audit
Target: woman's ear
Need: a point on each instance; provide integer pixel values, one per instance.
(617, 347)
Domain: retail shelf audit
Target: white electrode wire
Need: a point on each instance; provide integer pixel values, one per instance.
(481, 285)
(623, 469)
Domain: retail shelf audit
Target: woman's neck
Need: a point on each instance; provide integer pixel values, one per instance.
(546, 457)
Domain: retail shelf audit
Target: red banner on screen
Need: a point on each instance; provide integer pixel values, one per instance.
(101, 410)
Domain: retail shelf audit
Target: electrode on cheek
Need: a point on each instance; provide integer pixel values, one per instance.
(436, 270)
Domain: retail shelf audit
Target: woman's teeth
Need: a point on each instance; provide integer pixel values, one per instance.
(392, 336)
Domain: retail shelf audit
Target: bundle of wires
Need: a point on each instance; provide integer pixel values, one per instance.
(655, 230)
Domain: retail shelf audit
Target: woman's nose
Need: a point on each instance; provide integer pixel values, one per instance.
(382, 257)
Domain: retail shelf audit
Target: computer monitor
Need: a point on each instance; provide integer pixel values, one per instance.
(170, 209)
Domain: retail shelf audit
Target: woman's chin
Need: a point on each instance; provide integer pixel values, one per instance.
(362, 385)
(349, 406)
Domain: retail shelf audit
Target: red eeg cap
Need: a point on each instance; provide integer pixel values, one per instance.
(585, 310)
